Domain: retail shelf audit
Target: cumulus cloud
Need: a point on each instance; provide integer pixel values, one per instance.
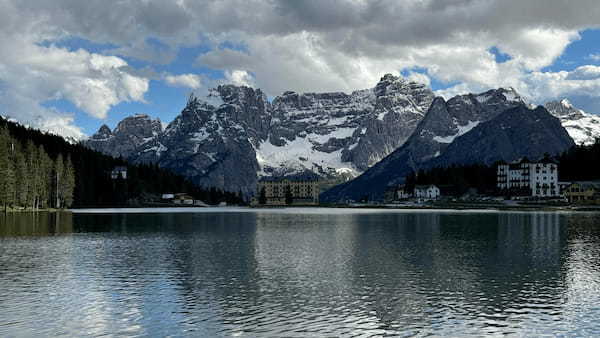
(307, 45)
(33, 73)
(239, 77)
(191, 81)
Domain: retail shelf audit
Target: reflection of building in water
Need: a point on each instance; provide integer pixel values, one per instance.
(531, 235)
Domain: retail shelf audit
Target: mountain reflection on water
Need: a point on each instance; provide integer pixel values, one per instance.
(300, 274)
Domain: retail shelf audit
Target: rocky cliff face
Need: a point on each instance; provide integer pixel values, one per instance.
(129, 135)
(583, 127)
(516, 133)
(236, 135)
(435, 141)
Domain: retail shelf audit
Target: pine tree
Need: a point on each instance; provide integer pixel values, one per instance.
(59, 184)
(69, 182)
(43, 177)
(31, 164)
(7, 174)
(22, 179)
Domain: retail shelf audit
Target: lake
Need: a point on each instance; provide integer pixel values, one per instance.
(299, 272)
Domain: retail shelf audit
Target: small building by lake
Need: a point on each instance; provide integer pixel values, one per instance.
(427, 192)
(119, 172)
(587, 192)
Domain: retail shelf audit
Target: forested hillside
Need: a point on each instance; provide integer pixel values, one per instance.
(580, 163)
(30, 177)
(39, 170)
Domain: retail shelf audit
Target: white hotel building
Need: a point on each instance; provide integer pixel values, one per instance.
(540, 178)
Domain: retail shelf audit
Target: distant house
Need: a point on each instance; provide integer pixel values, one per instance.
(300, 189)
(397, 193)
(562, 187)
(537, 179)
(119, 172)
(403, 193)
(427, 192)
(183, 199)
(583, 192)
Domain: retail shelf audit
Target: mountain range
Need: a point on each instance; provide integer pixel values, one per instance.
(483, 128)
(235, 135)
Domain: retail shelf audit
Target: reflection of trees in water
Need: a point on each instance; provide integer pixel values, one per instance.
(198, 268)
(460, 265)
(35, 223)
(224, 272)
(216, 270)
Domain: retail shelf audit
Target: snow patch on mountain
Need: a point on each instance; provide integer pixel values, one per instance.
(583, 127)
(461, 131)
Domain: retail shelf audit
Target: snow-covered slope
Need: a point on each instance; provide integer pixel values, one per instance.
(235, 135)
(583, 127)
(444, 123)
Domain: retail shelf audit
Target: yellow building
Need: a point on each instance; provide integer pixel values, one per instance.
(583, 192)
(287, 190)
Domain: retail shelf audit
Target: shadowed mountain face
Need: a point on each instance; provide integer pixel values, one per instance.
(235, 135)
(510, 134)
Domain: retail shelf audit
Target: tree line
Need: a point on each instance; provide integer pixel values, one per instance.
(92, 185)
(31, 178)
(580, 163)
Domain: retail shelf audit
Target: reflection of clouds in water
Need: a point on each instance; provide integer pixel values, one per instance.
(277, 273)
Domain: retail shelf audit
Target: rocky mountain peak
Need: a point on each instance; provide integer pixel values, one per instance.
(583, 127)
(234, 135)
(389, 84)
(103, 133)
(564, 109)
(394, 92)
(140, 124)
(500, 95)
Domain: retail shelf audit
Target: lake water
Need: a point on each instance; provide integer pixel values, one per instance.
(300, 272)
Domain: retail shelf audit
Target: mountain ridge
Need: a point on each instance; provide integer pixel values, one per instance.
(416, 153)
(235, 135)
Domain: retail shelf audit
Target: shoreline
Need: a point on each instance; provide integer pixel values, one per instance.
(325, 209)
(16, 211)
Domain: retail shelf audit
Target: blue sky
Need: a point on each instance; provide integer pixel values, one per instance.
(70, 67)
(166, 102)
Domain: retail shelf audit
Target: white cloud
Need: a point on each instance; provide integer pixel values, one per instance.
(239, 78)
(287, 45)
(191, 81)
(32, 73)
(594, 57)
(419, 78)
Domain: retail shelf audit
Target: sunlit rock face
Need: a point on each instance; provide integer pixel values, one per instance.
(482, 128)
(129, 135)
(235, 135)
